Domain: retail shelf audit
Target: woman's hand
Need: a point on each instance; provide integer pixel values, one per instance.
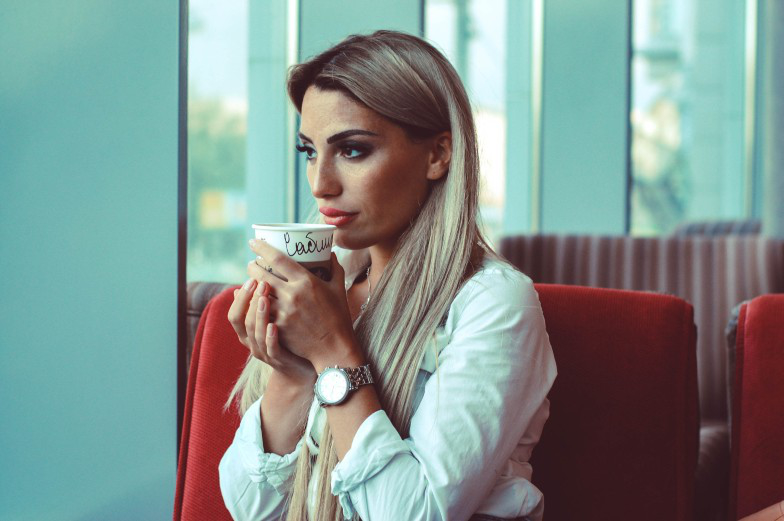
(249, 315)
(312, 315)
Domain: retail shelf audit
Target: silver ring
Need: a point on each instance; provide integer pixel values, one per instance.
(267, 268)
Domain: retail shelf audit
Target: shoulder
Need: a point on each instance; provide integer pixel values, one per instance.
(497, 289)
(498, 282)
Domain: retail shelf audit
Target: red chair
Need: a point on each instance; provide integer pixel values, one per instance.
(207, 431)
(713, 273)
(757, 466)
(621, 440)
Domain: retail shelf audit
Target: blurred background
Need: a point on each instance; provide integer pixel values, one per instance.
(139, 141)
(653, 107)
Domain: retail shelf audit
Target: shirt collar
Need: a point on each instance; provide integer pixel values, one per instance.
(352, 261)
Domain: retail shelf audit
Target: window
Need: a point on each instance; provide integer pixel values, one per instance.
(217, 129)
(472, 34)
(688, 113)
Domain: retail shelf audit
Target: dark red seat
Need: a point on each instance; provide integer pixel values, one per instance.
(207, 431)
(621, 441)
(757, 464)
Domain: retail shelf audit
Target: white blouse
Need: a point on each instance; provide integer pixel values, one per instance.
(476, 420)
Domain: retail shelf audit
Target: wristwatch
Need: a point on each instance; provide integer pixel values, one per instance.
(335, 383)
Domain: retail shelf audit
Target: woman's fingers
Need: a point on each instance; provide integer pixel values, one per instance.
(250, 318)
(265, 337)
(273, 346)
(268, 348)
(255, 271)
(251, 315)
(278, 357)
(260, 328)
(239, 308)
(285, 266)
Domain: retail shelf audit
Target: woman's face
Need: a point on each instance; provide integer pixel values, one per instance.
(362, 164)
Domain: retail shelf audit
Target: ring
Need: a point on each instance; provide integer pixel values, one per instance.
(267, 268)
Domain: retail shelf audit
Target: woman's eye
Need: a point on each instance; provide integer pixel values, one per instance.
(307, 151)
(348, 149)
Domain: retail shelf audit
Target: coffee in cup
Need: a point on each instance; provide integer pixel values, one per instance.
(308, 244)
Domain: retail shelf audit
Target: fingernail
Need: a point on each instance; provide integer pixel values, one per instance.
(270, 329)
(252, 242)
(248, 284)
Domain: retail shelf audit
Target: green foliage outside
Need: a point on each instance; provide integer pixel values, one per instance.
(216, 184)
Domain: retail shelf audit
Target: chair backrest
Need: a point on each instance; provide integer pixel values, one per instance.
(757, 464)
(712, 273)
(217, 360)
(621, 440)
(198, 294)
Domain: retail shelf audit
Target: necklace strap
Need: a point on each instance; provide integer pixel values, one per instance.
(363, 306)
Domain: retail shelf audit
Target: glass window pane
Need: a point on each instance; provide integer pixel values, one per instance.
(687, 114)
(217, 123)
(472, 34)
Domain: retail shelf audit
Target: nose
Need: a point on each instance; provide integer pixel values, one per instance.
(324, 179)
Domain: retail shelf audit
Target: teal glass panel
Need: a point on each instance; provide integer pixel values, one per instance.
(688, 114)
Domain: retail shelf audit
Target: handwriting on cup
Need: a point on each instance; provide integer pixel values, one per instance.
(310, 245)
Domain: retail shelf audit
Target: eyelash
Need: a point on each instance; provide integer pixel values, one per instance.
(363, 151)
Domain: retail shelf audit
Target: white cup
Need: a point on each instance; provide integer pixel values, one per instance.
(308, 244)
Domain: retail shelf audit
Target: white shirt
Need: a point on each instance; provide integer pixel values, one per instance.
(476, 420)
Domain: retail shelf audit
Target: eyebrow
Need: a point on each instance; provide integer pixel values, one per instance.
(340, 135)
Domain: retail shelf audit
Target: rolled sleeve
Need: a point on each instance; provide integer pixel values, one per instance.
(254, 484)
(262, 467)
(375, 444)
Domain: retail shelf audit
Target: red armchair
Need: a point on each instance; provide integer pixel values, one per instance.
(216, 361)
(713, 273)
(757, 464)
(621, 441)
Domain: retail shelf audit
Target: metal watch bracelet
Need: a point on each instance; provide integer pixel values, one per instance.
(359, 376)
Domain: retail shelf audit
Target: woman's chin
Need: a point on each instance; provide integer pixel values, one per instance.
(343, 240)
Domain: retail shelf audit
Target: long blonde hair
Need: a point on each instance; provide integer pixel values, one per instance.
(407, 80)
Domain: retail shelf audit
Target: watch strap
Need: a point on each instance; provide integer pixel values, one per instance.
(358, 376)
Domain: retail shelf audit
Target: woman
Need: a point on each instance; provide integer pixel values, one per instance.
(451, 335)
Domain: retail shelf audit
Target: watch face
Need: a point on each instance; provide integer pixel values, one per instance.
(332, 386)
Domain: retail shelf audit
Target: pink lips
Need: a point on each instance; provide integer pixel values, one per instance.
(334, 212)
(337, 217)
(341, 220)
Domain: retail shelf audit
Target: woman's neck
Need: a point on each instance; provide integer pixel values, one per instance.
(379, 258)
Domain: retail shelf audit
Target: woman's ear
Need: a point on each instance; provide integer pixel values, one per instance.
(440, 156)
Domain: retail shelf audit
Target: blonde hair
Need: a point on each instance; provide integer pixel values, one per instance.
(407, 80)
